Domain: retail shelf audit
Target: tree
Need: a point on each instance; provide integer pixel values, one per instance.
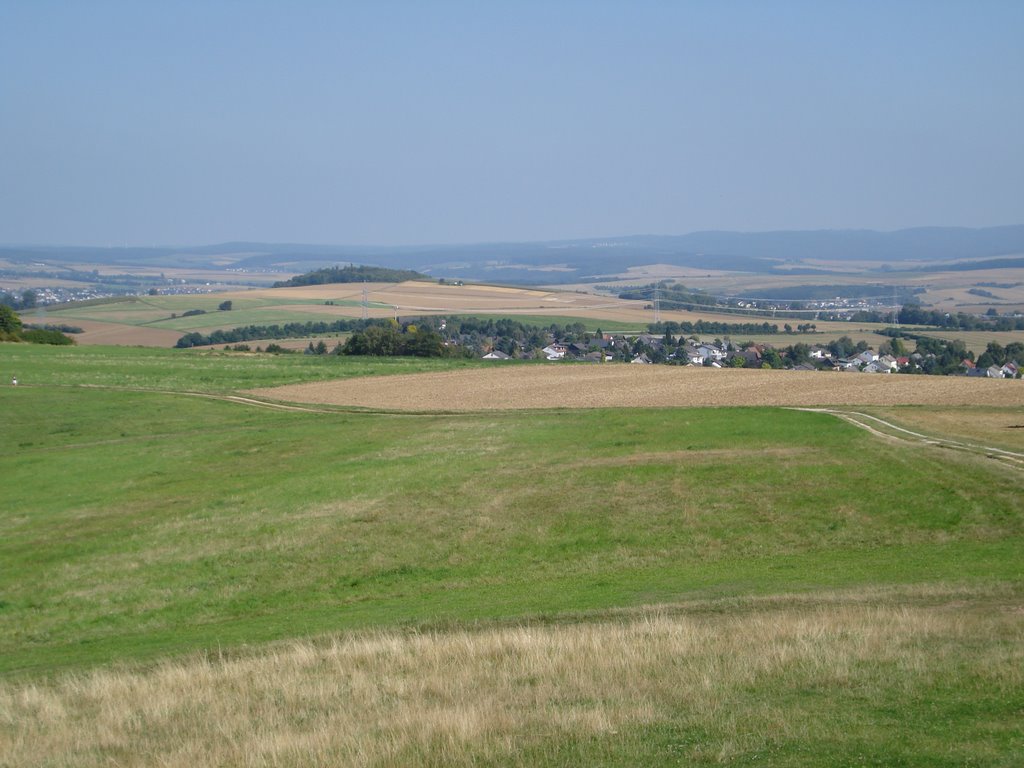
(994, 354)
(892, 347)
(841, 347)
(799, 353)
(771, 359)
(224, 306)
(9, 321)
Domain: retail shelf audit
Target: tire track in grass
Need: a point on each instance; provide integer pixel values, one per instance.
(857, 418)
(1012, 458)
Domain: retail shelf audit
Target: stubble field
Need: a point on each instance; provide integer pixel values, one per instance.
(503, 387)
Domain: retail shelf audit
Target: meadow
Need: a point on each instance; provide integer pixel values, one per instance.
(188, 578)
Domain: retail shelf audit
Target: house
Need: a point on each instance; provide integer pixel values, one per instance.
(750, 356)
(877, 366)
(691, 354)
(818, 353)
(641, 360)
(555, 351)
(496, 354)
(710, 351)
(1010, 370)
(652, 341)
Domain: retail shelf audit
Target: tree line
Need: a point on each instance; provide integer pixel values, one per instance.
(915, 314)
(12, 329)
(351, 274)
(708, 327)
(253, 332)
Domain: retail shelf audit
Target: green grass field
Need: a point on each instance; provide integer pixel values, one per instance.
(143, 527)
(157, 311)
(210, 371)
(166, 312)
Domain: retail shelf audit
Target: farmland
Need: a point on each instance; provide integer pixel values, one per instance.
(161, 320)
(144, 316)
(195, 578)
(940, 287)
(618, 386)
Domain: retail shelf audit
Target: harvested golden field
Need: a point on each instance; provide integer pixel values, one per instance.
(624, 386)
(96, 332)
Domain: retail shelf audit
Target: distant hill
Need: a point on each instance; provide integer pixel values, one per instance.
(574, 260)
(351, 274)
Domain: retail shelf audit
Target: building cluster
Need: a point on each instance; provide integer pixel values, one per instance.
(648, 349)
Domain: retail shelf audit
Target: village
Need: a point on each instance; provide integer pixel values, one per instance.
(936, 357)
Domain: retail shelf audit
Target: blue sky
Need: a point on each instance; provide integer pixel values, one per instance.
(452, 122)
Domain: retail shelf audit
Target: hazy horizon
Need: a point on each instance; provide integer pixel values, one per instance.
(835, 230)
(401, 124)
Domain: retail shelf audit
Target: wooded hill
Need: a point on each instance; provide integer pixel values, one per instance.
(351, 274)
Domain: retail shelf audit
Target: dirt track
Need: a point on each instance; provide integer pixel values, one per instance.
(625, 386)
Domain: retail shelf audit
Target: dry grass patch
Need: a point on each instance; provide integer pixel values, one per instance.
(618, 386)
(716, 684)
(999, 427)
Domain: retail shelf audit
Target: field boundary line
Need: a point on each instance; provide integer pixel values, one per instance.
(251, 401)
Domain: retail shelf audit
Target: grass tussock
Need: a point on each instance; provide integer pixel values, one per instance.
(771, 683)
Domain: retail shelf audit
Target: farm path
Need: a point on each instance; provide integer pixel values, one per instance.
(896, 432)
(858, 419)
